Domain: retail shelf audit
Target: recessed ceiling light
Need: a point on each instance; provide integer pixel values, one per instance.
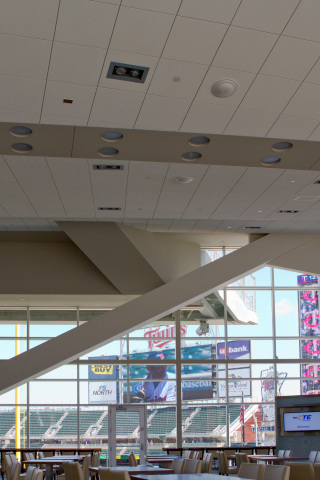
(21, 147)
(281, 146)
(129, 73)
(190, 156)
(224, 88)
(228, 227)
(111, 136)
(183, 179)
(107, 167)
(20, 131)
(259, 211)
(107, 151)
(199, 141)
(109, 208)
(292, 181)
(176, 79)
(253, 227)
(270, 160)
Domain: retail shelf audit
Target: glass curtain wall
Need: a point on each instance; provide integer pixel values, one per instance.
(208, 373)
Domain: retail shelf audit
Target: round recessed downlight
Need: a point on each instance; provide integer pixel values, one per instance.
(21, 147)
(107, 151)
(270, 160)
(20, 131)
(183, 179)
(111, 136)
(224, 88)
(190, 156)
(121, 70)
(281, 146)
(199, 141)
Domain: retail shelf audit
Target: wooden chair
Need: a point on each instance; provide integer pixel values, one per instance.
(95, 462)
(276, 472)
(207, 462)
(287, 453)
(316, 469)
(251, 470)
(110, 474)
(133, 462)
(72, 471)
(224, 466)
(281, 453)
(177, 464)
(300, 471)
(102, 472)
(188, 454)
(241, 458)
(37, 474)
(191, 466)
(197, 454)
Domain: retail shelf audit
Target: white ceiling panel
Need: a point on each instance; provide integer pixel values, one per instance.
(207, 118)
(182, 225)
(231, 226)
(86, 23)
(251, 123)
(233, 52)
(30, 18)
(116, 107)
(207, 225)
(25, 57)
(109, 189)
(131, 59)
(288, 185)
(220, 11)
(292, 127)
(177, 79)
(213, 188)
(37, 224)
(314, 75)
(270, 94)
(304, 22)
(13, 224)
(159, 225)
(175, 196)
(14, 116)
(291, 58)
(247, 190)
(194, 40)
(243, 79)
(21, 94)
(67, 61)
(145, 182)
(141, 31)
(36, 181)
(56, 92)
(54, 120)
(162, 6)
(306, 102)
(162, 113)
(311, 212)
(72, 179)
(315, 135)
(269, 16)
(13, 200)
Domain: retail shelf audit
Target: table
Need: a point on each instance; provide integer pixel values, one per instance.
(275, 459)
(139, 469)
(161, 458)
(180, 476)
(50, 462)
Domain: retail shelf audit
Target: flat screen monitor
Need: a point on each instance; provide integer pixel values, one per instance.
(300, 420)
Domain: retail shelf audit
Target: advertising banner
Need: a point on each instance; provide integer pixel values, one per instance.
(237, 349)
(103, 390)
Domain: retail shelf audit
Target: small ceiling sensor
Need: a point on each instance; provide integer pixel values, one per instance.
(111, 136)
(107, 152)
(198, 141)
(20, 131)
(281, 146)
(21, 147)
(267, 161)
(224, 88)
(183, 179)
(190, 156)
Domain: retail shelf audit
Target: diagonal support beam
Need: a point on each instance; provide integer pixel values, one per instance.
(149, 307)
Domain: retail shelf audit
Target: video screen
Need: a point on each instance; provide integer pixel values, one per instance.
(301, 421)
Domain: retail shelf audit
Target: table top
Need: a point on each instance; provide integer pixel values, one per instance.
(139, 469)
(275, 458)
(161, 458)
(180, 476)
(56, 460)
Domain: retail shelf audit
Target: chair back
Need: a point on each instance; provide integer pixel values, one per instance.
(197, 455)
(132, 460)
(191, 466)
(316, 469)
(7, 465)
(241, 458)
(73, 471)
(15, 471)
(262, 451)
(281, 453)
(287, 453)
(207, 461)
(248, 451)
(68, 452)
(312, 455)
(222, 463)
(276, 472)
(37, 474)
(85, 466)
(110, 474)
(95, 460)
(48, 453)
(188, 454)
(177, 464)
(300, 471)
(251, 470)
(42, 465)
(30, 472)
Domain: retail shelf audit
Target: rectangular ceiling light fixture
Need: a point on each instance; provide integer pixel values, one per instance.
(107, 167)
(109, 208)
(128, 73)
